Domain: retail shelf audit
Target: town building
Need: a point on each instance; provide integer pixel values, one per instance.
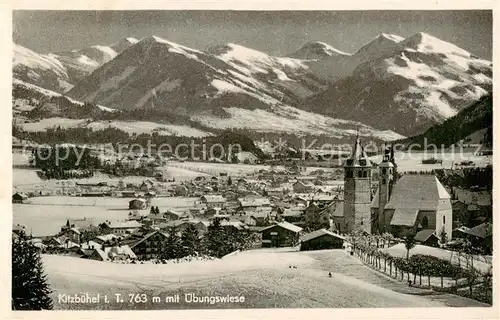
(106, 238)
(85, 224)
(121, 228)
(321, 239)
(427, 237)
(481, 236)
(319, 215)
(137, 204)
(129, 194)
(181, 190)
(253, 202)
(19, 197)
(150, 246)
(293, 215)
(213, 201)
(72, 234)
(283, 234)
(303, 186)
(112, 253)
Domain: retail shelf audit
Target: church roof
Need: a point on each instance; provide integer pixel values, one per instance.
(404, 217)
(421, 192)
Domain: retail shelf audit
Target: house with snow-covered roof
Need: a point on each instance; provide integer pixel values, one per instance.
(121, 227)
(283, 234)
(213, 200)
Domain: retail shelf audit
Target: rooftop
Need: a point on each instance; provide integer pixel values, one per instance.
(319, 233)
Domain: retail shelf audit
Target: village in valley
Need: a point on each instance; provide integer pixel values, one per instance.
(365, 209)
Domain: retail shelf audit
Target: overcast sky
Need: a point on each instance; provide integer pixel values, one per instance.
(278, 32)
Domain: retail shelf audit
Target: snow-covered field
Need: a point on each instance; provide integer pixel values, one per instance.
(292, 120)
(399, 250)
(231, 168)
(25, 179)
(262, 276)
(413, 161)
(137, 127)
(45, 215)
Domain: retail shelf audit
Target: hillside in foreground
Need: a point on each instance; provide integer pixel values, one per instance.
(262, 276)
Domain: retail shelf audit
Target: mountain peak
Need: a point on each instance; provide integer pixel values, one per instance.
(425, 42)
(131, 40)
(123, 44)
(317, 50)
(391, 37)
(381, 40)
(379, 46)
(235, 51)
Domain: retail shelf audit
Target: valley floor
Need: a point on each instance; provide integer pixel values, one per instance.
(262, 276)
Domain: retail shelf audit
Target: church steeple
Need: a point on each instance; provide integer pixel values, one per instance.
(386, 182)
(358, 155)
(357, 190)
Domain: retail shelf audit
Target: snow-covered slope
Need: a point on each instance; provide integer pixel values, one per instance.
(292, 120)
(43, 70)
(27, 97)
(317, 50)
(131, 127)
(31, 95)
(60, 71)
(422, 82)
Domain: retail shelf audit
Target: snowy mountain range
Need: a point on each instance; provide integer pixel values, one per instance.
(390, 87)
(414, 83)
(61, 71)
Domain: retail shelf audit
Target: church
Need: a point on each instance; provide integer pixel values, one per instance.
(416, 202)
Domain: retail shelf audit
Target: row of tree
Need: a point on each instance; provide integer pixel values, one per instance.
(420, 265)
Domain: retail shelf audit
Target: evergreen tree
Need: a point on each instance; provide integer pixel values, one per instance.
(152, 210)
(172, 247)
(220, 241)
(190, 240)
(214, 241)
(30, 290)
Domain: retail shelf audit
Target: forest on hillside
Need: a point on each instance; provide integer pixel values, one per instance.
(471, 119)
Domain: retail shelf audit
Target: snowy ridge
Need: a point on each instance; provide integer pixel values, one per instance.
(251, 61)
(161, 73)
(60, 71)
(45, 70)
(340, 66)
(317, 50)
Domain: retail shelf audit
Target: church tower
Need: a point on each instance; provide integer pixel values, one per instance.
(386, 182)
(357, 190)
